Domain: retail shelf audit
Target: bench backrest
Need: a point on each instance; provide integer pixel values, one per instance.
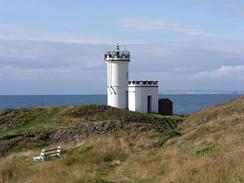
(47, 153)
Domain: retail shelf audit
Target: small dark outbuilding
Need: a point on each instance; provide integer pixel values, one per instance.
(165, 106)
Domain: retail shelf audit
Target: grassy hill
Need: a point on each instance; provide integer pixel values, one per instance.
(103, 144)
(38, 127)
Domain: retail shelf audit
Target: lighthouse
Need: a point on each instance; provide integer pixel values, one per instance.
(117, 77)
(136, 95)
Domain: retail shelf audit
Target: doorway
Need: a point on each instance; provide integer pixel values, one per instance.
(149, 104)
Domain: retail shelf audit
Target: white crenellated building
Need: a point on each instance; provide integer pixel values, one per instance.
(143, 96)
(140, 96)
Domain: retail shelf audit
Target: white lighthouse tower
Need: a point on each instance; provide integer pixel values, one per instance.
(117, 77)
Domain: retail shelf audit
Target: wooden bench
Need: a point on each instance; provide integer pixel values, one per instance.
(48, 153)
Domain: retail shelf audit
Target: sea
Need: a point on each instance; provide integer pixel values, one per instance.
(183, 104)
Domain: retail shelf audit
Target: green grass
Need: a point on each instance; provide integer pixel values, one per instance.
(161, 140)
(203, 148)
(34, 127)
(27, 121)
(90, 155)
(34, 121)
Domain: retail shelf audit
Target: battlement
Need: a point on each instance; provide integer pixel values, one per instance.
(117, 55)
(143, 83)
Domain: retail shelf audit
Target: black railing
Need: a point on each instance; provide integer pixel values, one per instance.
(116, 54)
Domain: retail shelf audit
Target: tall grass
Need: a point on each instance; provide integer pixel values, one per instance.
(90, 161)
(129, 157)
(210, 152)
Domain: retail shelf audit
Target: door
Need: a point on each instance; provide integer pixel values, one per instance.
(149, 104)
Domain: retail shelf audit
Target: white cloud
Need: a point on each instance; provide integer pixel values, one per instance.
(40, 36)
(146, 24)
(36, 54)
(12, 32)
(231, 72)
(50, 81)
(34, 67)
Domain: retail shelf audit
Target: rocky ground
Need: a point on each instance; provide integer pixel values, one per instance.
(20, 128)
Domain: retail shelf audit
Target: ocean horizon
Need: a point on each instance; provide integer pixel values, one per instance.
(183, 103)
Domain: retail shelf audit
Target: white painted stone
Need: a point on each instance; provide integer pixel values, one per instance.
(139, 91)
(117, 78)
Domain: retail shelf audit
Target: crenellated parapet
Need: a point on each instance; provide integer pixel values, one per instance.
(117, 55)
(143, 83)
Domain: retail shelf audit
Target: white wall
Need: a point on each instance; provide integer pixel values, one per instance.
(117, 83)
(138, 98)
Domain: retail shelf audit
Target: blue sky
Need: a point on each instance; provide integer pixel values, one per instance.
(56, 47)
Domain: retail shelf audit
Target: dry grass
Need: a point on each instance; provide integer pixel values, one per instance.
(90, 161)
(210, 152)
(131, 157)
(224, 168)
